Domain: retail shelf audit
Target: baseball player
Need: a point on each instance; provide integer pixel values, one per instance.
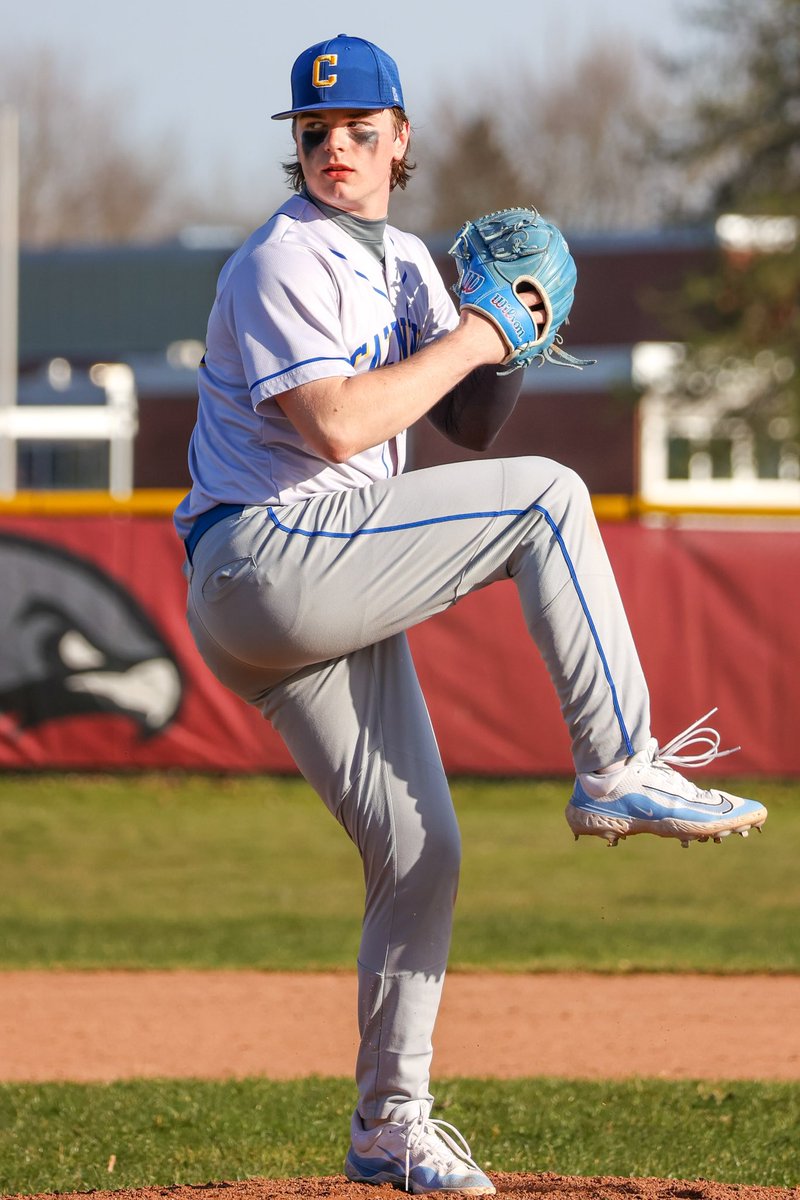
(309, 554)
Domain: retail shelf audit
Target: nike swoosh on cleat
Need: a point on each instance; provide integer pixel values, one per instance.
(724, 806)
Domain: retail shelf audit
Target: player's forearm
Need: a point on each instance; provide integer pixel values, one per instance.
(340, 417)
(474, 412)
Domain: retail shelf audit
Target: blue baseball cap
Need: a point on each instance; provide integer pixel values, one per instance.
(344, 72)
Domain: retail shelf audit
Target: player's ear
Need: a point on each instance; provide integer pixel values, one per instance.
(401, 141)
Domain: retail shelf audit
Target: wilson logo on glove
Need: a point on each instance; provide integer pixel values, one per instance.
(499, 301)
(499, 253)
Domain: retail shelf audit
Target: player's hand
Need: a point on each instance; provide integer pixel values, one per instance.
(485, 335)
(533, 300)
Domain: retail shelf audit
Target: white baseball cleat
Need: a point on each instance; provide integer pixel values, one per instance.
(649, 796)
(418, 1156)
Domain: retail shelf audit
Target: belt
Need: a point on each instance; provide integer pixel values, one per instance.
(204, 522)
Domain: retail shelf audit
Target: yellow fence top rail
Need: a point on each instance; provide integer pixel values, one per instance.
(146, 502)
(161, 502)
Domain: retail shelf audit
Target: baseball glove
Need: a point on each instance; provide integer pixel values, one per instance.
(506, 252)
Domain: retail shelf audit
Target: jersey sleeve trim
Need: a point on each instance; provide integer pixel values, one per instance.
(295, 366)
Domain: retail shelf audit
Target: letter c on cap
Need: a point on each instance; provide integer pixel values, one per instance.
(320, 76)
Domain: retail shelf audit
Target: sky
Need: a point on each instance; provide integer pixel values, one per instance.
(209, 73)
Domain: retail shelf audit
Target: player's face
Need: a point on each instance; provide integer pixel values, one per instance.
(347, 157)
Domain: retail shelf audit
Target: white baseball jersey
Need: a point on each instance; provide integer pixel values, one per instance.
(302, 610)
(302, 300)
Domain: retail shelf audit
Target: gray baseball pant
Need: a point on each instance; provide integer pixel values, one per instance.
(301, 610)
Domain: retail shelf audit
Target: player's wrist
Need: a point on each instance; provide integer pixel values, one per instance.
(483, 345)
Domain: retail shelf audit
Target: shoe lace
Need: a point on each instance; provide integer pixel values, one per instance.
(696, 735)
(438, 1132)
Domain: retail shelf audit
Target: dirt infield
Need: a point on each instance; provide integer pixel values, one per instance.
(544, 1186)
(112, 1025)
(85, 1025)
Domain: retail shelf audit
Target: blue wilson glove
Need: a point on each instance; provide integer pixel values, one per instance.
(507, 250)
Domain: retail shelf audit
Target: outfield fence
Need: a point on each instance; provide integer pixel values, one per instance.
(97, 669)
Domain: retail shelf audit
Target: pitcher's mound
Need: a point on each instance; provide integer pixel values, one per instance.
(545, 1186)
